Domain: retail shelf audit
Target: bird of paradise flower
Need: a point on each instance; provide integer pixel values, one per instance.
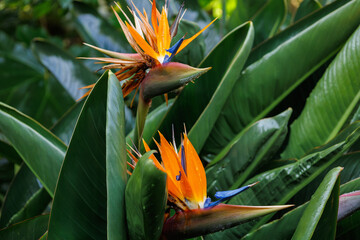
(150, 66)
(186, 185)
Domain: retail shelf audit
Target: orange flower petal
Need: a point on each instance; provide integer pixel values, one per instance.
(195, 171)
(142, 43)
(153, 17)
(173, 167)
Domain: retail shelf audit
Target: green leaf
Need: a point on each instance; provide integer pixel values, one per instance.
(267, 16)
(348, 228)
(202, 127)
(146, 198)
(307, 7)
(116, 176)
(255, 146)
(32, 228)
(351, 164)
(23, 202)
(26, 86)
(69, 72)
(265, 81)
(65, 126)
(331, 103)
(223, 73)
(95, 30)
(319, 219)
(42, 151)
(93, 176)
(282, 228)
(279, 185)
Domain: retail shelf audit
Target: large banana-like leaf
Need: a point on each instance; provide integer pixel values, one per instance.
(351, 164)
(32, 228)
(267, 16)
(94, 29)
(93, 176)
(255, 146)
(42, 151)
(69, 72)
(331, 103)
(203, 125)
(285, 227)
(306, 7)
(26, 86)
(66, 124)
(319, 218)
(23, 203)
(278, 66)
(146, 198)
(279, 185)
(218, 80)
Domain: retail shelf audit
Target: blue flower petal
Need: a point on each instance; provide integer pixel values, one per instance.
(230, 193)
(173, 50)
(207, 202)
(225, 195)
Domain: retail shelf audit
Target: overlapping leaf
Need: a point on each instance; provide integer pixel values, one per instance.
(250, 152)
(146, 198)
(42, 151)
(23, 203)
(279, 185)
(265, 81)
(93, 176)
(331, 103)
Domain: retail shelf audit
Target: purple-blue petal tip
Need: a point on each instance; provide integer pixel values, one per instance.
(225, 195)
(173, 50)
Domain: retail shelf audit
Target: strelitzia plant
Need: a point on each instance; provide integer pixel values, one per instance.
(195, 213)
(150, 68)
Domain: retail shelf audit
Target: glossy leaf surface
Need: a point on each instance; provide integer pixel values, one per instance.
(265, 82)
(255, 146)
(267, 16)
(279, 185)
(146, 198)
(26, 86)
(95, 30)
(85, 179)
(319, 218)
(331, 103)
(223, 73)
(69, 72)
(202, 127)
(24, 133)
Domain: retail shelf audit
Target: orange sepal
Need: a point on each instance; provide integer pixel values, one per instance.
(173, 167)
(195, 171)
(142, 43)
